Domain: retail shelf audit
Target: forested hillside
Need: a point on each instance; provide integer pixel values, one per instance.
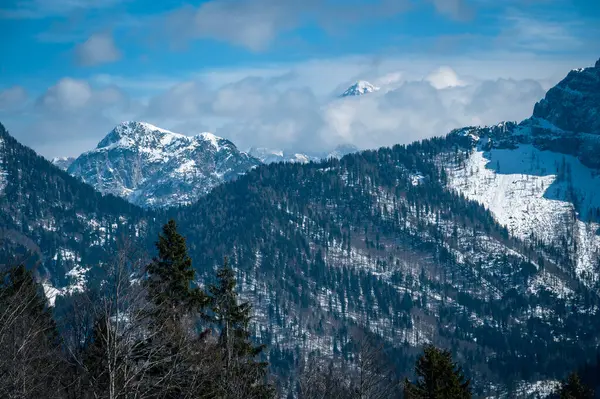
(374, 242)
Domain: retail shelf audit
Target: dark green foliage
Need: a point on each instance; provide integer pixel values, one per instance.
(231, 318)
(171, 276)
(438, 377)
(239, 354)
(573, 388)
(293, 232)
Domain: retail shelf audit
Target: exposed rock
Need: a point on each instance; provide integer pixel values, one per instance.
(153, 167)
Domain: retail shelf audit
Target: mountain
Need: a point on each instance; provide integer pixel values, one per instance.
(267, 155)
(52, 221)
(359, 88)
(541, 177)
(342, 150)
(567, 121)
(153, 167)
(480, 242)
(63, 162)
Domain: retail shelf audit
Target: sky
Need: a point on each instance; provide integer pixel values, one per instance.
(269, 72)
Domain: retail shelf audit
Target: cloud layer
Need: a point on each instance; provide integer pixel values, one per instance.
(256, 24)
(291, 107)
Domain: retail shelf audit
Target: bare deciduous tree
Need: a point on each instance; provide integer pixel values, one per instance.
(29, 345)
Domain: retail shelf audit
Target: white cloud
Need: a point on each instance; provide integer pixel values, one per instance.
(71, 116)
(542, 32)
(256, 24)
(97, 49)
(12, 98)
(443, 78)
(66, 95)
(268, 112)
(296, 106)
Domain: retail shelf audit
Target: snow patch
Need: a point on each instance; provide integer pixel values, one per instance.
(214, 140)
(50, 292)
(533, 192)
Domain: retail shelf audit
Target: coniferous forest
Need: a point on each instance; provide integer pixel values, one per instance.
(153, 332)
(336, 276)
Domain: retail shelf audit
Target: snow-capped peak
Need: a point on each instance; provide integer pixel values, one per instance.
(138, 134)
(359, 88)
(154, 167)
(214, 140)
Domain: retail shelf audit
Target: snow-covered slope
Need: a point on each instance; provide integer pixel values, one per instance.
(541, 194)
(268, 155)
(359, 88)
(153, 167)
(63, 162)
(541, 178)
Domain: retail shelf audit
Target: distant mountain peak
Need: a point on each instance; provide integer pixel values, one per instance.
(155, 167)
(574, 103)
(271, 155)
(134, 133)
(360, 88)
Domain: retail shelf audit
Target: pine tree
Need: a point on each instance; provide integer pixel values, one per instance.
(170, 276)
(573, 388)
(172, 341)
(239, 353)
(29, 341)
(438, 377)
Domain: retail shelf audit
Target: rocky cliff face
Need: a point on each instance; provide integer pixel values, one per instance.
(153, 167)
(574, 104)
(567, 120)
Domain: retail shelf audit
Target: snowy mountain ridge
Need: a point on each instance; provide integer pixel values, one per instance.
(154, 167)
(269, 155)
(541, 178)
(536, 193)
(360, 88)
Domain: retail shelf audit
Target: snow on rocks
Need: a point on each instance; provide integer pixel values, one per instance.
(154, 167)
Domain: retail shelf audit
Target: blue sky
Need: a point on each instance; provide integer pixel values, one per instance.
(265, 72)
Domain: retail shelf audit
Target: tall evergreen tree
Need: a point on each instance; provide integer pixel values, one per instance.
(232, 318)
(171, 343)
(170, 275)
(438, 377)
